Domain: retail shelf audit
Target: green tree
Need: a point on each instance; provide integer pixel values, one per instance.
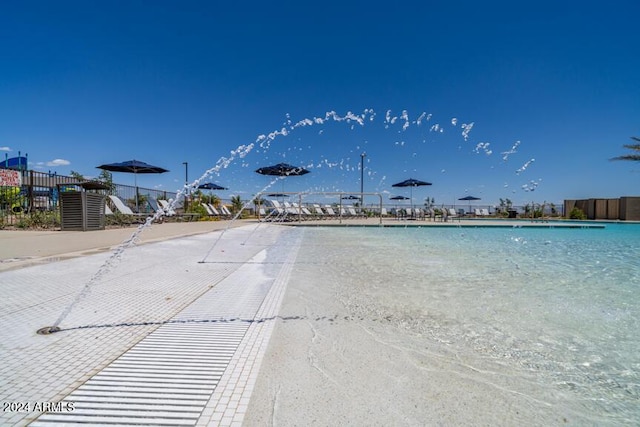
(635, 157)
(77, 175)
(106, 178)
(236, 204)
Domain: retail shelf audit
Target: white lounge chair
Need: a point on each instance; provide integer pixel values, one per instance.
(484, 212)
(166, 207)
(280, 213)
(208, 209)
(213, 209)
(225, 211)
(123, 209)
(330, 211)
(453, 214)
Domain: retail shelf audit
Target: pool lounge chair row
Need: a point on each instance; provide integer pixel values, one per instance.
(115, 204)
(286, 211)
(222, 212)
(443, 214)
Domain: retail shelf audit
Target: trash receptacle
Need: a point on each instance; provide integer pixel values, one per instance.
(81, 210)
(513, 214)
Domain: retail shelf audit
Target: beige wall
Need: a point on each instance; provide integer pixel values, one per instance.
(630, 208)
(624, 208)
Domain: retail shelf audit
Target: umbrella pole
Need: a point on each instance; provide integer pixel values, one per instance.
(135, 181)
(411, 201)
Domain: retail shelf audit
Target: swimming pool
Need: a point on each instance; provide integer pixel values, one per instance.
(556, 311)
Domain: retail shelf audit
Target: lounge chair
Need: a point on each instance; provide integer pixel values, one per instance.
(166, 207)
(208, 209)
(213, 210)
(484, 212)
(435, 215)
(169, 212)
(330, 211)
(452, 214)
(278, 211)
(318, 211)
(292, 210)
(123, 209)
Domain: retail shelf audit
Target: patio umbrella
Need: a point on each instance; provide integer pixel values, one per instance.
(411, 183)
(278, 195)
(135, 167)
(350, 198)
(211, 186)
(282, 169)
(469, 199)
(396, 198)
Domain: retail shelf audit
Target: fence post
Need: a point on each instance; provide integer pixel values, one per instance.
(30, 192)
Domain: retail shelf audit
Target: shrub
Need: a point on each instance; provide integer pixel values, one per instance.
(577, 213)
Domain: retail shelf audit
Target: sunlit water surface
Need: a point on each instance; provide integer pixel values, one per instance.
(558, 307)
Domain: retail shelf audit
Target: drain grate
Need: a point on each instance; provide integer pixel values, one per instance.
(166, 379)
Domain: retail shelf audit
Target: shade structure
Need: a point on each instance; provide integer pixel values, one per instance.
(135, 167)
(469, 199)
(411, 183)
(211, 186)
(398, 198)
(282, 169)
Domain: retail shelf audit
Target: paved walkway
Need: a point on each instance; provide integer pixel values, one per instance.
(19, 248)
(167, 333)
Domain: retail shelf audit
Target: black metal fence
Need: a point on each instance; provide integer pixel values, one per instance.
(30, 198)
(29, 194)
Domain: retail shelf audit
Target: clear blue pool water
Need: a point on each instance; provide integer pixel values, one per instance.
(558, 308)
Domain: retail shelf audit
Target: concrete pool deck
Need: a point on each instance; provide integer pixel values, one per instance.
(159, 338)
(164, 336)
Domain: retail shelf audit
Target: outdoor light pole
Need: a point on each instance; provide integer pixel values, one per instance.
(362, 156)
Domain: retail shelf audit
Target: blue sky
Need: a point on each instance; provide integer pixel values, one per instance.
(86, 83)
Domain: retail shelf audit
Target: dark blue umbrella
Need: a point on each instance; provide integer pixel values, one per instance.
(469, 199)
(282, 169)
(211, 186)
(411, 183)
(135, 167)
